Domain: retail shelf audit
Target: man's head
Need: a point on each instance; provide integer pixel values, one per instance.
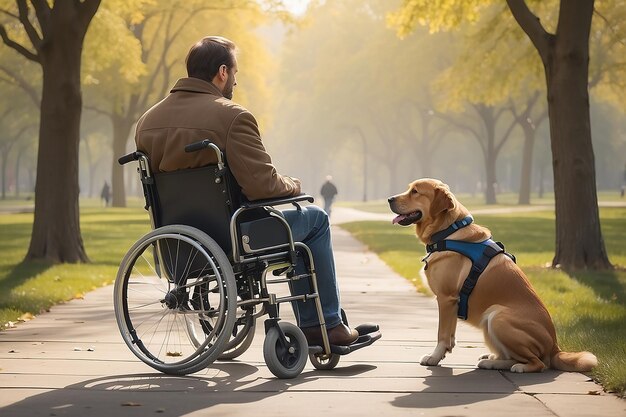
(213, 59)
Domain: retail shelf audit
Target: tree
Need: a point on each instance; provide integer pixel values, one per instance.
(339, 109)
(529, 124)
(55, 34)
(152, 41)
(489, 137)
(565, 58)
(13, 126)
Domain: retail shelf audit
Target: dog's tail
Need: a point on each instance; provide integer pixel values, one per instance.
(574, 361)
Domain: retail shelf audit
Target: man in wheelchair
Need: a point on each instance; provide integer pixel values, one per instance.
(198, 108)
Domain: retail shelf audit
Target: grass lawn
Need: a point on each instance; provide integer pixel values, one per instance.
(588, 308)
(27, 289)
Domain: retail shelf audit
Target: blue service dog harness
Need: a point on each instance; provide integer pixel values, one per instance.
(480, 253)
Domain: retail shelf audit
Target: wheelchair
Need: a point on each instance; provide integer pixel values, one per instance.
(189, 292)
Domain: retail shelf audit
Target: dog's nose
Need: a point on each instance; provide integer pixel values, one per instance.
(391, 199)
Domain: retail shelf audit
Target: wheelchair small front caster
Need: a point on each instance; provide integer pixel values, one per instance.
(323, 362)
(286, 357)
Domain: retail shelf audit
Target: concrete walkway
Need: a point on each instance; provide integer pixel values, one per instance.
(73, 362)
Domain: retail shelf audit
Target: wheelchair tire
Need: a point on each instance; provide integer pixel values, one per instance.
(241, 341)
(175, 299)
(285, 362)
(324, 364)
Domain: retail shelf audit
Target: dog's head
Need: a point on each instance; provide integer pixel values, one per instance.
(428, 203)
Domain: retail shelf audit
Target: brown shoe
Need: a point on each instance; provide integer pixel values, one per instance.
(340, 335)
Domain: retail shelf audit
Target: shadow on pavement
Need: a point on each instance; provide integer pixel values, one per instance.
(448, 390)
(164, 395)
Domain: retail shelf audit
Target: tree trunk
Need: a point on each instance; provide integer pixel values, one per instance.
(4, 177)
(490, 155)
(565, 56)
(579, 242)
(121, 130)
(527, 164)
(56, 233)
(18, 158)
(490, 172)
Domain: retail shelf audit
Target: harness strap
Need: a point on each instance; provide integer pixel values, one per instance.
(480, 253)
(491, 249)
(459, 224)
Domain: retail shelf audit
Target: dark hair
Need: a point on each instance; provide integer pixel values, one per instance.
(207, 56)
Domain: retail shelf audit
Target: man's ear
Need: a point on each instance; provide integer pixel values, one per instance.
(443, 201)
(223, 72)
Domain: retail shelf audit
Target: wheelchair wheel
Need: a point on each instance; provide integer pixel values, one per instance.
(288, 361)
(175, 299)
(242, 336)
(324, 364)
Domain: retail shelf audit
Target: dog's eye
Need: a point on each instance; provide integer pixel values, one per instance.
(413, 191)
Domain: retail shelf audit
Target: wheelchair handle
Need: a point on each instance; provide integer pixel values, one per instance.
(203, 144)
(133, 156)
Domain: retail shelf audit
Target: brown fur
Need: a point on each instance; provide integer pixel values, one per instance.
(516, 325)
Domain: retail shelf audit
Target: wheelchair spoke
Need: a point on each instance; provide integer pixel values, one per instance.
(171, 299)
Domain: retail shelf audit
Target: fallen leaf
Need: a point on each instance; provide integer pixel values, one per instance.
(131, 404)
(26, 317)
(593, 393)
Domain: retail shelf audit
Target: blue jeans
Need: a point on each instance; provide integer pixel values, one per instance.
(311, 227)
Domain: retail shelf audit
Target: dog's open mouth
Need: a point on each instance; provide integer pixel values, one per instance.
(407, 219)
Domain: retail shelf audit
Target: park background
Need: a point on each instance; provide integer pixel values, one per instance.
(346, 88)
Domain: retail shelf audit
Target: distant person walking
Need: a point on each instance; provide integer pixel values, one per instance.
(623, 188)
(105, 194)
(328, 192)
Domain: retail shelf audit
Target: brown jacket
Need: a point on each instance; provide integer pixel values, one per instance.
(196, 110)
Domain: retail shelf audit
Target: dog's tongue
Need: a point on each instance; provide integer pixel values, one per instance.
(399, 218)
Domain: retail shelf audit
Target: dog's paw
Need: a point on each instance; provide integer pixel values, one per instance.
(490, 356)
(428, 360)
(485, 363)
(518, 368)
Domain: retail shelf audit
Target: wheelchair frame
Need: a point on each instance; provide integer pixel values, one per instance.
(285, 349)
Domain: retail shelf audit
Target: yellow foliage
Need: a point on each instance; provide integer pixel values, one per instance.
(499, 63)
(110, 45)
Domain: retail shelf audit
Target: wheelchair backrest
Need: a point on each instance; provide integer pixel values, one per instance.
(204, 198)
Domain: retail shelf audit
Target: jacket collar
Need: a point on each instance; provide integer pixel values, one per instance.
(196, 85)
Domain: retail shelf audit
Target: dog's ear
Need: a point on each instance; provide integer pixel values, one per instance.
(443, 201)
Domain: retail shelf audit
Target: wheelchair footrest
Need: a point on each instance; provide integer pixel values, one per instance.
(363, 341)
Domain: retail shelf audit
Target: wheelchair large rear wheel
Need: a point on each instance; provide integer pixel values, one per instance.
(175, 299)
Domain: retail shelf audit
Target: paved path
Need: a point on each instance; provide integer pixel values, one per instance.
(72, 362)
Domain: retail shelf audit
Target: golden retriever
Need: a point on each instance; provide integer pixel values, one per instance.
(516, 325)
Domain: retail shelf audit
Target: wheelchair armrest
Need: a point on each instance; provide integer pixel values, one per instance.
(277, 201)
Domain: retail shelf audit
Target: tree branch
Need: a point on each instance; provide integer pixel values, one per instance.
(10, 14)
(16, 46)
(506, 136)
(88, 9)
(30, 30)
(23, 84)
(532, 26)
(98, 111)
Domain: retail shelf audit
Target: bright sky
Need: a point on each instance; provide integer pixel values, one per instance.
(296, 6)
